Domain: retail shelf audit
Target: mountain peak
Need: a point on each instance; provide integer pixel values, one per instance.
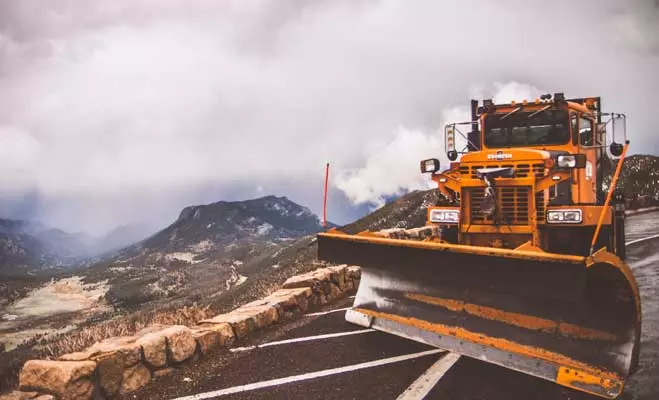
(224, 223)
(271, 197)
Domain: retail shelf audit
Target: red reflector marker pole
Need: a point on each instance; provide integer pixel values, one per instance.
(325, 197)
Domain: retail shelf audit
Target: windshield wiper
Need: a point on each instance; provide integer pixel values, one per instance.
(543, 109)
(510, 113)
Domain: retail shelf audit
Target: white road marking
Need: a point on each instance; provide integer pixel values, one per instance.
(308, 376)
(424, 384)
(642, 240)
(327, 312)
(302, 339)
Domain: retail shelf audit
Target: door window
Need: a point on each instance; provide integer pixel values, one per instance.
(586, 132)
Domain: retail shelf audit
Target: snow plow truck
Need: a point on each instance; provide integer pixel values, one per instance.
(522, 263)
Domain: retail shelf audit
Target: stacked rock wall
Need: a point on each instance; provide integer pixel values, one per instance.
(121, 365)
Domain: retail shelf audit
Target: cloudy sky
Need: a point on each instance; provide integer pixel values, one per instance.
(125, 111)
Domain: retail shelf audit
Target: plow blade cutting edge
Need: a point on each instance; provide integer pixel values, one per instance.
(569, 319)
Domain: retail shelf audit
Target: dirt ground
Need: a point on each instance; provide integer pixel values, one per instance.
(29, 317)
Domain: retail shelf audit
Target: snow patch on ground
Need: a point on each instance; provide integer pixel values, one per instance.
(119, 269)
(155, 288)
(236, 279)
(263, 229)
(182, 256)
(305, 211)
(275, 266)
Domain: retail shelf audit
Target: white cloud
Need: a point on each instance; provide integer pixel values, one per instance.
(515, 91)
(157, 99)
(393, 168)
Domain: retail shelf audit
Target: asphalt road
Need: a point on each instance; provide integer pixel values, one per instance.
(364, 364)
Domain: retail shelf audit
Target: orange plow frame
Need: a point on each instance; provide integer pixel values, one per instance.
(569, 319)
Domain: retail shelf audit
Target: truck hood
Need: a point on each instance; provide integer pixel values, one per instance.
(503, 155)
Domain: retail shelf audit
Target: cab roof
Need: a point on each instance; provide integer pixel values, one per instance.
(586, 104)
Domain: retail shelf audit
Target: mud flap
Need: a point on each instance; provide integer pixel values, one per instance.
(569, 319)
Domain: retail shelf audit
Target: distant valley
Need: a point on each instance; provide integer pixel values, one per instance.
(30, 248)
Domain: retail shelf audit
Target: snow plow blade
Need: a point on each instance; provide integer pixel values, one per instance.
(569, 319)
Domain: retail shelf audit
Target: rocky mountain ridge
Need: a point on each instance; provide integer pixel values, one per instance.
(208, 249)
(218, 230)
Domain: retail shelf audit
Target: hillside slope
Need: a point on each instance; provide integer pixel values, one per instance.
(301, 256)
(640, 177)
(207, 250)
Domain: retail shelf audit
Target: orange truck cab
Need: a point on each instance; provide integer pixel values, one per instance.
(532, 173)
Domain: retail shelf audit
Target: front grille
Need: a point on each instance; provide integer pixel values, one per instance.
(521, 170)
(512, 206)
(540, 206)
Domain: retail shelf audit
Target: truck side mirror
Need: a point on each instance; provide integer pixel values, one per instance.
(429, 166)
(616, 149)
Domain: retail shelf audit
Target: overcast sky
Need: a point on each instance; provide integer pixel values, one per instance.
(125, 111)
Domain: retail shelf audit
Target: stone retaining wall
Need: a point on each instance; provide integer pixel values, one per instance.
(121, 365)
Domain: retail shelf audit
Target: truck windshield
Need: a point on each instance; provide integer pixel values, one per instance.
(549, 127)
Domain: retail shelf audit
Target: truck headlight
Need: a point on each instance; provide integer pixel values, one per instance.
(444, 216)
(571, 161)
(564, 216)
